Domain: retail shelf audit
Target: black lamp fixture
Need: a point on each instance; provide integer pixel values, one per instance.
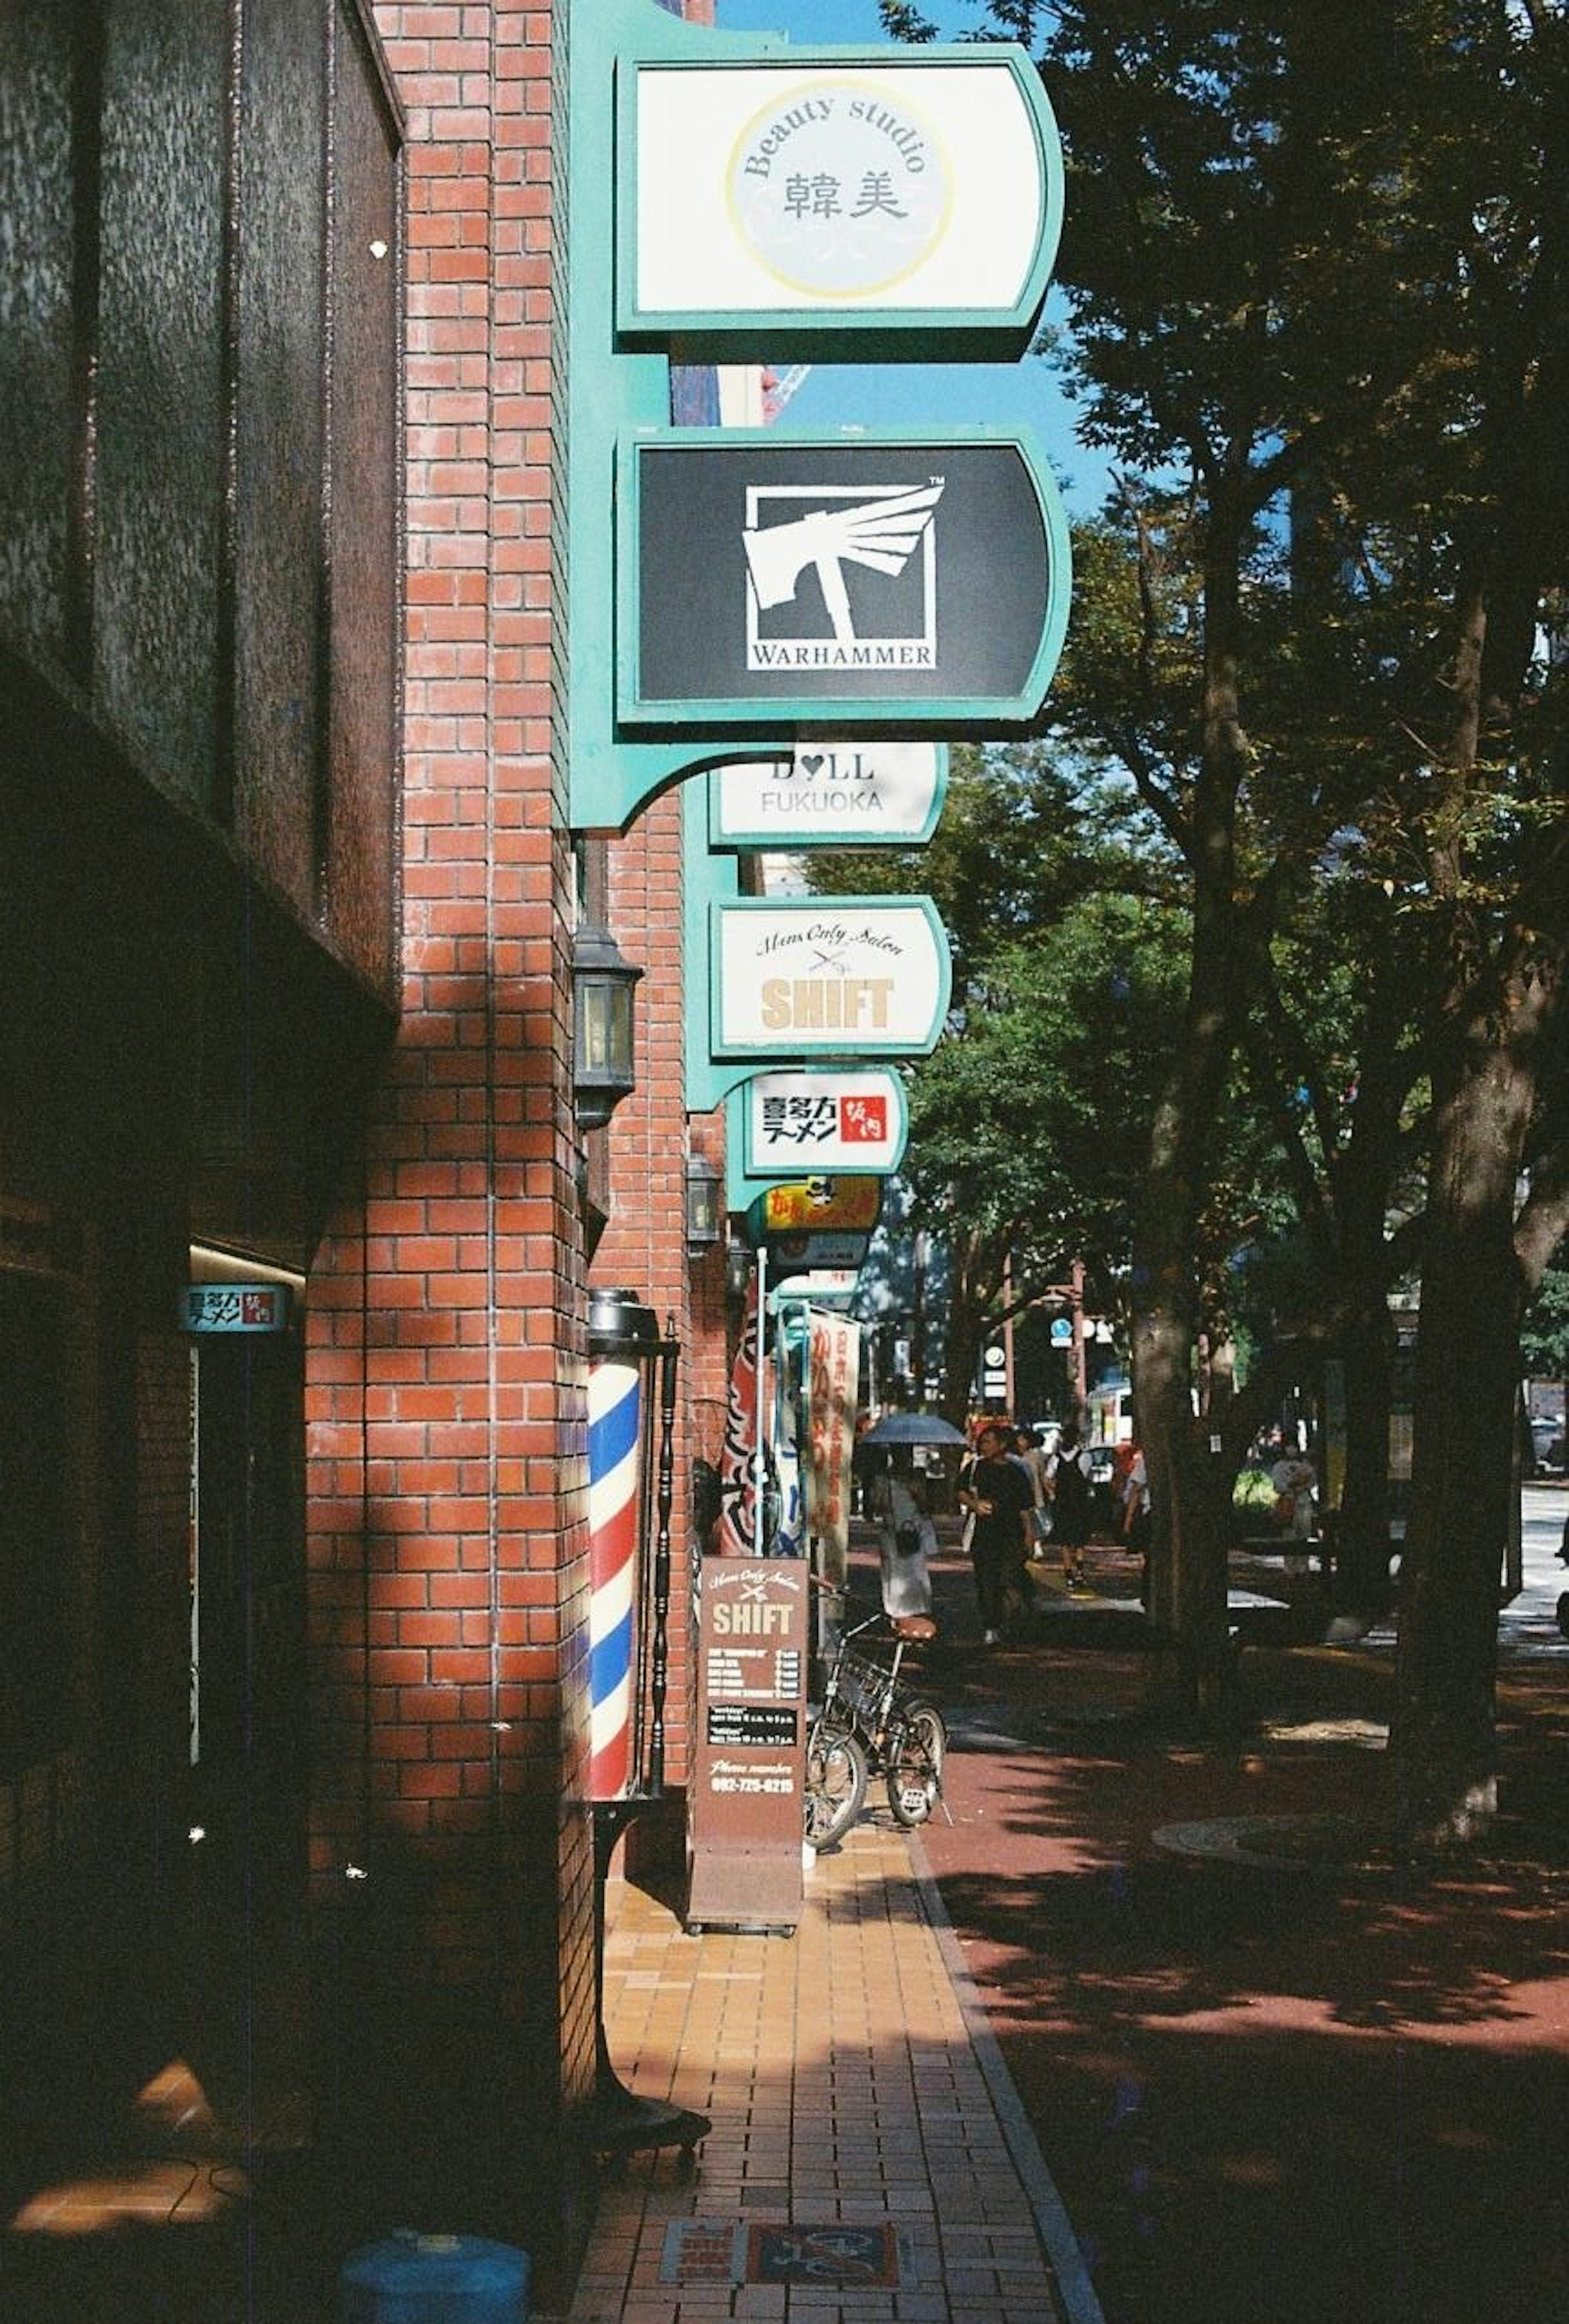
(604, 1063)
(704, 1185)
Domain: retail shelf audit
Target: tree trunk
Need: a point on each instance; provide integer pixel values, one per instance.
(1361, 1549)
(1463, 1431)
(1190, 1537)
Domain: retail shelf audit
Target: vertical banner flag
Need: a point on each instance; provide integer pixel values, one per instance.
(733, 1535)
(791, 1541)
(615, 1445)
(835, 1373)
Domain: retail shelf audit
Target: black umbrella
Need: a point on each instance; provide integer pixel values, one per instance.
(913, 1428)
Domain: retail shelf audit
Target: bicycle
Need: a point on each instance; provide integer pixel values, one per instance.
(870, 1724)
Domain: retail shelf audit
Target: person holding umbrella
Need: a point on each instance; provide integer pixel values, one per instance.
(896, 1500)
(897, 1504)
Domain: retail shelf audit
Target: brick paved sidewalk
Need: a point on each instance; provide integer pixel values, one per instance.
(852, 2081)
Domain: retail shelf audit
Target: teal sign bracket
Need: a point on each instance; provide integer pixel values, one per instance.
(609, 782)
(707, 880)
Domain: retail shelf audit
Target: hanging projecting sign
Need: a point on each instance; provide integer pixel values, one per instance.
(855, 1120)
(819, 1286)
(853, 975)
(837, 200)
(872, 586)
(816, 1207)
(801, 1251)
(831, 794)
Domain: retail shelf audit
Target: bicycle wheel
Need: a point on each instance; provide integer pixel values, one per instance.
(915, 1772)
(835, 1786)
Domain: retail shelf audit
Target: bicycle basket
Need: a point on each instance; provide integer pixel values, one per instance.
(862, 1686)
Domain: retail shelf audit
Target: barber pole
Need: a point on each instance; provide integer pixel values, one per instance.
(614, 1442)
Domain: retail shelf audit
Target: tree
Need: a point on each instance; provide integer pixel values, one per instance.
(1545, 1334)
(1027, 1132)
(1027, 1122)
(1486, 183)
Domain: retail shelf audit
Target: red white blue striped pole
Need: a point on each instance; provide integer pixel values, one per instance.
(614, 1448)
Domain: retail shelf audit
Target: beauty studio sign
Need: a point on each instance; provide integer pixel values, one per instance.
(837, 200)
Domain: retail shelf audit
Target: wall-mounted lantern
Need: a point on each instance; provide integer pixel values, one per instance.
(603, 1062)
(704, 1199)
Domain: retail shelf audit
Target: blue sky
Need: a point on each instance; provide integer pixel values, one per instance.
(841, 21)
(915, 395)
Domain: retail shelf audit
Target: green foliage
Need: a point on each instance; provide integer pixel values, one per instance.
(1026, 831)
(1545, 1336)
(1032, 1119)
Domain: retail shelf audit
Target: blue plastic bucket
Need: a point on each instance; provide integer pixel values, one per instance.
(411, 2279)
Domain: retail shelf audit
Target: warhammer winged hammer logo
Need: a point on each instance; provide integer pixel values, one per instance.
(879, 528)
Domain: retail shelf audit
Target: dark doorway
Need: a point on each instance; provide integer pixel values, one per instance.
(246, 1917)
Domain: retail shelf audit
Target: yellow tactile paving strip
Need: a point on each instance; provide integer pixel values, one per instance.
(840, 2074)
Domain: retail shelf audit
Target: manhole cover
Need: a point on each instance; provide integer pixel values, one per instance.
(872, 2258)
(1281, 1843)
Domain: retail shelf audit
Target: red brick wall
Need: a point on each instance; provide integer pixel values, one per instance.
(644, 1244)
(708, 1371)
(445, 1369)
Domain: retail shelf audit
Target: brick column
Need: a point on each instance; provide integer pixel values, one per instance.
(451, 1876)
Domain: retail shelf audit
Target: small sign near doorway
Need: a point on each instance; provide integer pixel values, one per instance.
(236, 1307)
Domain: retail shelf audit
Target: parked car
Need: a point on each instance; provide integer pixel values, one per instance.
(1547, 1446)
(1102, 1462)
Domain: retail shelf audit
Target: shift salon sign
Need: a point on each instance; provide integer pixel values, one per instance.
(861, 976)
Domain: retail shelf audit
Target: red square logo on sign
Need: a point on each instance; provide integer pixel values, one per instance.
(258, 1308)
(863, 1121)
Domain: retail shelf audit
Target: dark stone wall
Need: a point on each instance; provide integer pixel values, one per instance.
(199, 426)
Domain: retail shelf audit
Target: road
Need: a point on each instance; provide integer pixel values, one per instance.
(1261, 2095)
(1528, 1623)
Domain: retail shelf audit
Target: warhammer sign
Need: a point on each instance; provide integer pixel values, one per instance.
(922, 582)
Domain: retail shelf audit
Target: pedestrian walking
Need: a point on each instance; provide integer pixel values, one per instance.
(906, 1539)
(997, 1497)
(1296, 1484)
(1069, 1482)
(1034, 1464)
